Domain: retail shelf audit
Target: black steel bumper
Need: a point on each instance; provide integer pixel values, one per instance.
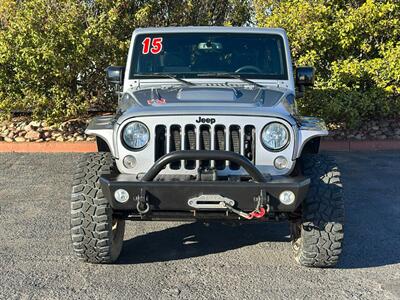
(173, 196)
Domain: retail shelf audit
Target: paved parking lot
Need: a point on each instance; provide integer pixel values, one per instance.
(194, 261)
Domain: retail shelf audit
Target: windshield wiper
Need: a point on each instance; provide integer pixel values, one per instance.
(165, 75)
(230, 75)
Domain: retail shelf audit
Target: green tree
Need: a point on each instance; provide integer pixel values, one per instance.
(354, 46)
(53, 53)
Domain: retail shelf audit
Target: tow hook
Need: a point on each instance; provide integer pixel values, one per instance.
(257, 213)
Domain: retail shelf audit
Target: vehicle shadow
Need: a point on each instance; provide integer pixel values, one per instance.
(197, 239)
(372, 222)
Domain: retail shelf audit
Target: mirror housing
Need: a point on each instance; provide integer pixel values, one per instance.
(115, 75)
(305, 76)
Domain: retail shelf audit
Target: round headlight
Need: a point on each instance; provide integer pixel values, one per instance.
(136, 135)
(275, 136)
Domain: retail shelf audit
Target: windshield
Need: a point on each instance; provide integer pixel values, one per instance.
(202, 54)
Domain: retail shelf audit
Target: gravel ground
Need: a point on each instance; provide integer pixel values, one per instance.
(194, 261)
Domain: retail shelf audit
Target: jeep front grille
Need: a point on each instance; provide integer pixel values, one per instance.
(205, 137)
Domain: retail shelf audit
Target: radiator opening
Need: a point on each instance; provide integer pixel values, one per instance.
(205, 143)
(175, 144)
(250, 143)
(235, 138)
(160, 147)
(190, 144)
(234, 144)
(220, 144)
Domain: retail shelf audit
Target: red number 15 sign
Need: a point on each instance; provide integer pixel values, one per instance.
(152, 45)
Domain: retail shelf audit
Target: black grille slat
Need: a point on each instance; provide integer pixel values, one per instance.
(205, 143)
(219, 144)
(161, 142)
(175, 144)
(250, 143)
(241, 140)
(234, 143)
(190, 144)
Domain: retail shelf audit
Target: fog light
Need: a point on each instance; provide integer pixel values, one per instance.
(280, 163)
(129, 162)
(121, 196)
(287, 197)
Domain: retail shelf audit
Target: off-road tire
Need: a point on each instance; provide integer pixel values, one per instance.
(317, 235)
(97, 236)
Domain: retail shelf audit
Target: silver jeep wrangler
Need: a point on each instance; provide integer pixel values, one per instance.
(207, 129)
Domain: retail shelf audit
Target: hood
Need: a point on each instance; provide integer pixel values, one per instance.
(200, 100)
(207, 95)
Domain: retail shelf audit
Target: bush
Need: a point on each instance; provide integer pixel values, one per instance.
(53, 53)
(355, 48)
(41, 55)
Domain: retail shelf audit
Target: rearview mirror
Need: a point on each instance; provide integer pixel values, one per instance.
(305, 76)
(115, 75)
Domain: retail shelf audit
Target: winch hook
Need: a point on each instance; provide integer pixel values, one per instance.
(258, 213)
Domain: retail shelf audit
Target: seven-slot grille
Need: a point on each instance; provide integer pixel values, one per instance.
(205, 137)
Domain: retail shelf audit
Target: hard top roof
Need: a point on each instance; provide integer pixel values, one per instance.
(213, 29)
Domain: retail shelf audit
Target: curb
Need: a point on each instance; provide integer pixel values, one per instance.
(81, 147)
(354, 146)
(48, 147)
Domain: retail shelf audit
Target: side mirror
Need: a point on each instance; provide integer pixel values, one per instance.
(305, 76)
(115, 75)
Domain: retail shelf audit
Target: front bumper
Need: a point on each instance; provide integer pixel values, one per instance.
(175, 196)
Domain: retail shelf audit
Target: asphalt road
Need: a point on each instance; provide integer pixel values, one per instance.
(193, 261)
